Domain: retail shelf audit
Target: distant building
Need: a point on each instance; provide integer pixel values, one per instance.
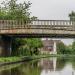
(49, 46)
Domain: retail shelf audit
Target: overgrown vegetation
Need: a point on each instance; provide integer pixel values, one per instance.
(11, 10)
(64, 49)
(27, 46)
(9, 59)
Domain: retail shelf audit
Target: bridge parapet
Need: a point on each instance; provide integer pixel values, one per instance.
(37, 24)
(52, 22)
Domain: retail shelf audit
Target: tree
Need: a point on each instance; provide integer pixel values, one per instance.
(15, 11)
(17, 44)
(36, 43)
(73, 47)
(34, 18)
(72, 16)
(32, 46)
(61, 48)
(26, 46)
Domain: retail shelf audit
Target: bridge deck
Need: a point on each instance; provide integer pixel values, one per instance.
(37, 27)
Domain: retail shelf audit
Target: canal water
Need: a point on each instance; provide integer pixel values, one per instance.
(44, 66)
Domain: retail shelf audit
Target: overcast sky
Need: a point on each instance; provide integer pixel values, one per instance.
(52, 10)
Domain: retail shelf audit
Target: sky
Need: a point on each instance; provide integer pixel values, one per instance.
(52, 10)
(66, 41)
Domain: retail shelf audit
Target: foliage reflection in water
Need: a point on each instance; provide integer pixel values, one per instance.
(45, 66)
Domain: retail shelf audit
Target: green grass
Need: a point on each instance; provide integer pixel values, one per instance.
(53, 55)
(9, 59)
(15, 59)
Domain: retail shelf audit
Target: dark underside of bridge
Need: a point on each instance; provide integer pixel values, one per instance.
(6, 40)
(40, 35)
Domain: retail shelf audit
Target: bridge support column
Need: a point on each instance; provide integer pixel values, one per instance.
(5, 46)
(54, 50)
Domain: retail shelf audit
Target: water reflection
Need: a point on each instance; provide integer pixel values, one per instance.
(46, 66)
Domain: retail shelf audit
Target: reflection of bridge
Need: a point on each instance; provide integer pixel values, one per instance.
(37, 28)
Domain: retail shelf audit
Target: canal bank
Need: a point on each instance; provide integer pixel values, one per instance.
(13, 60)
